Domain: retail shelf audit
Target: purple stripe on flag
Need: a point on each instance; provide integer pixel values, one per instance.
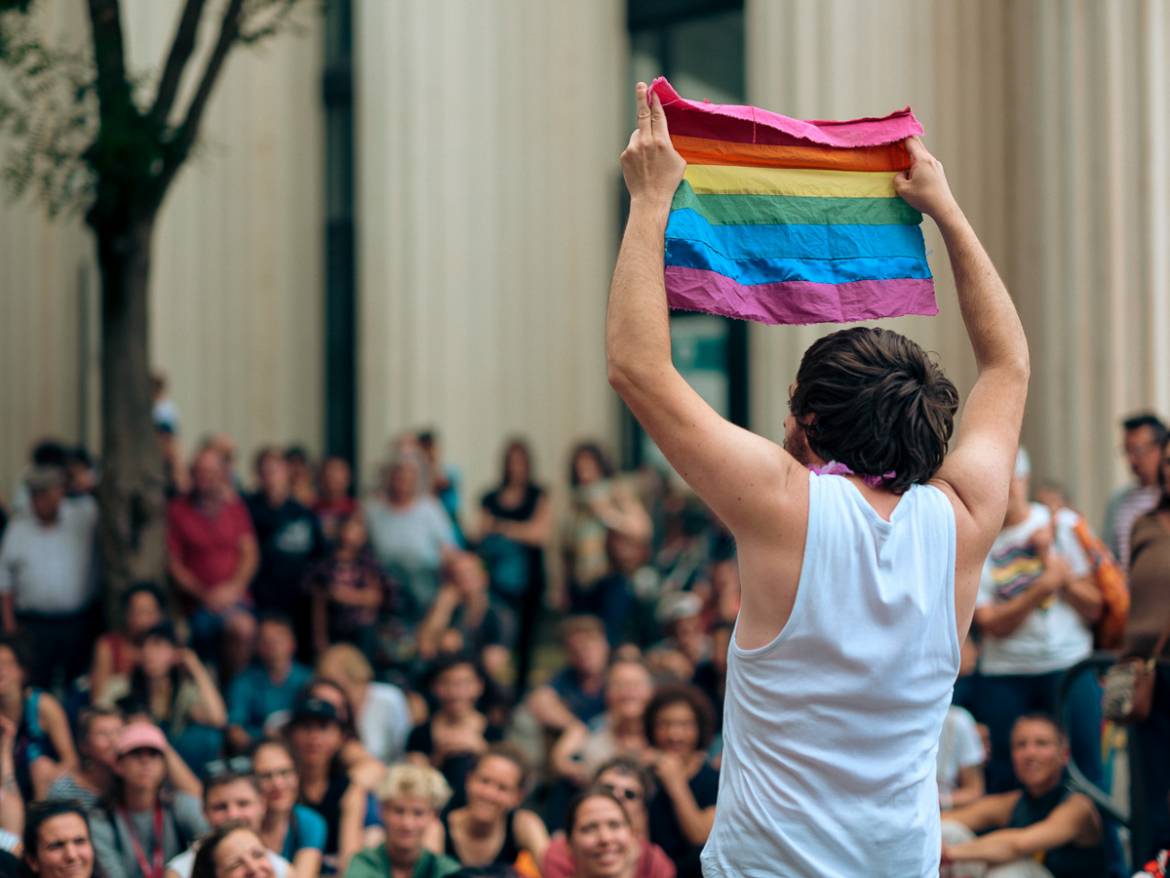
(798, 302)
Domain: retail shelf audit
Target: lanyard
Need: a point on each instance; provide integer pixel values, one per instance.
(155, 868)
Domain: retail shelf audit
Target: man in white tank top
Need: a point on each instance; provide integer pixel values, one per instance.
(859, 578)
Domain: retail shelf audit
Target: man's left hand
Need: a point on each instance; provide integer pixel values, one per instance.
(651, 165)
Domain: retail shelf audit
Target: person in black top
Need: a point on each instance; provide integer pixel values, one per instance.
(290, 540)
(491, 830)
(457, 732)
(680, 726)
(1045, 820)
(315, 739)
(515, 525)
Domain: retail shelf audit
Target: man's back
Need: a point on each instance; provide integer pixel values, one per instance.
(831, 730)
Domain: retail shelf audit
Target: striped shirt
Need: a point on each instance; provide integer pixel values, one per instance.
(1126, 507)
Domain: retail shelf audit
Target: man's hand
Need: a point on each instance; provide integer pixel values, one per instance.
(924, 185)
(651, 165)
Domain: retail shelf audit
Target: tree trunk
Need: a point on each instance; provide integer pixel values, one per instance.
(131, 494)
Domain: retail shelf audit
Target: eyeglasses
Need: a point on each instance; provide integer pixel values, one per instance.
(621, 792)
(240, 766)
(276, 774)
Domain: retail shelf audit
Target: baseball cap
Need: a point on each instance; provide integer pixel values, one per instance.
(314, 708)
(141, 736)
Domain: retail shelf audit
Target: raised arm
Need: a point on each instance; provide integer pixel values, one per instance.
(978, 470)
(734, 471)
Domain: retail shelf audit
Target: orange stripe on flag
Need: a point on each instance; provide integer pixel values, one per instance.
(704, 151)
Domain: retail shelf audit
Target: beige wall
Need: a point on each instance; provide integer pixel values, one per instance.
(1052, 120)
(237, 282)
(488, 201)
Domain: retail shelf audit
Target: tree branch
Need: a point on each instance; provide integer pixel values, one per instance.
(180, 146)
(180, 53)
(112, 88)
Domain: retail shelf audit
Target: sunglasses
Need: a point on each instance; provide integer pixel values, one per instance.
(238, 766)
(622, 792)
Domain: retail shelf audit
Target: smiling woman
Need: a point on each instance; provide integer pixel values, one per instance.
(600, 836)
(233, 851)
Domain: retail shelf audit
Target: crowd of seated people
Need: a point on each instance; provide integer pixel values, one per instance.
(326, 683)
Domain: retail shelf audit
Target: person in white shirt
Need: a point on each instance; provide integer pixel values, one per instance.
(230, 795)
(960, 760)
(48, 579)
(859, 577)
(1037, 602)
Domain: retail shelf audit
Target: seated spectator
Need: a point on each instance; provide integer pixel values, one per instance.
(606, 536)
(1045, 822)
(632, 785)
(288, 535)
(212, 556)
(98, 731)
(334, 502)
(57, 841)
(116, 652)
(411, 797)
(1037, 600)
(619, 731)
(575, 694)
(233, 851)
(43, 745)
(363, 767)
(492, 830)
(269, 686)
(462, 619)
(600, 838)
(142, 823)
(444, 480)
(456, 733)
(680, 727)
(11, 802)
(170, 687)
(231, 795)
(381, 711)
(410, 533)
(348, 592)
(680, 616)
(48, 580)
(960, 760)
(301, 478)
(515, 523)
(295, 831)
(315, 739)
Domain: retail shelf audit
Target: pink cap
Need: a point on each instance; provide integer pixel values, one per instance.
(141, 736)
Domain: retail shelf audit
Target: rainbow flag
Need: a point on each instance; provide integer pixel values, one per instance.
(783, 221)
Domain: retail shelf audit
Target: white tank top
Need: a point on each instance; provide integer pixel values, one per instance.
(830, 732)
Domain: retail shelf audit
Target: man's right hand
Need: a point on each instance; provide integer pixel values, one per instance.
(924, 185)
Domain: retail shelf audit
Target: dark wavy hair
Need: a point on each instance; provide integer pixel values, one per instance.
(875, 401)
(592, 449)
(681, 693)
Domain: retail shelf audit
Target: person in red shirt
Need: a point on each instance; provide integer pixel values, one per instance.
(212, 559)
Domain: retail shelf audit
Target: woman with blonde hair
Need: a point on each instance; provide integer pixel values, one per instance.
(411, 798)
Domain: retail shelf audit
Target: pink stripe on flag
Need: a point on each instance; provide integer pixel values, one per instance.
(754, 125)
(798, 302)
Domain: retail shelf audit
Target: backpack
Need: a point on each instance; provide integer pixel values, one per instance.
(1109, 629)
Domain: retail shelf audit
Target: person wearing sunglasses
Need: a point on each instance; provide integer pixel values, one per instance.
(628, 781)
(294, 830)
(231, 794)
